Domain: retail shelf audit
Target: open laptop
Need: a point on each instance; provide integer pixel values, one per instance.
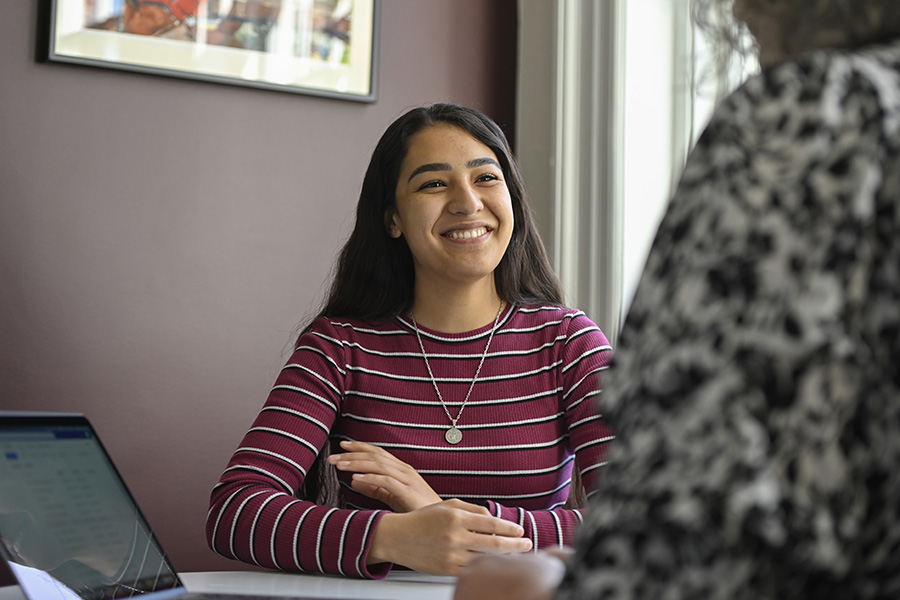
(69, 527)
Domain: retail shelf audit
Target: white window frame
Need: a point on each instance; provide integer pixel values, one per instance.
(573, 116)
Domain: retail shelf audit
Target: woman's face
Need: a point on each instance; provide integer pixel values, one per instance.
(452, 206)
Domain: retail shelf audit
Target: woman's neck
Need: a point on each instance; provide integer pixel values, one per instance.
(458, 310)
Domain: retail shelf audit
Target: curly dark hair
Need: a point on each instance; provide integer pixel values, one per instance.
(803, 24)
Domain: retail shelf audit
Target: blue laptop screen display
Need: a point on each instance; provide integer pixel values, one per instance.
(68, 526)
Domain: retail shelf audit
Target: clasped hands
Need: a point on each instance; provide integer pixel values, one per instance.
(424, 532)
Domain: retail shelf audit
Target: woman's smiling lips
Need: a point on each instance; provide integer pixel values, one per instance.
(467, 234)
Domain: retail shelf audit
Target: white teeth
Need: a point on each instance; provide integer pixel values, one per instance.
(465, 235)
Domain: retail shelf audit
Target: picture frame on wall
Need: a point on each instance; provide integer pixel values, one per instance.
(320, 47)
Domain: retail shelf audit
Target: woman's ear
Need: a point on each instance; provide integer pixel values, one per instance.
(390, 222)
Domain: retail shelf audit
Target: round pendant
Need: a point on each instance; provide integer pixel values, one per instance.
(453, 435)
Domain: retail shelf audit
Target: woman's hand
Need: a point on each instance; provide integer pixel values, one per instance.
(380, 475)
(519, 577)
(442, 538)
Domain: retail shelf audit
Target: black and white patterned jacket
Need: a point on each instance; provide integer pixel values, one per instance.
(755, 393)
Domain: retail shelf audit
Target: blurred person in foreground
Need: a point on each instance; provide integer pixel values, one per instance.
(756, 389)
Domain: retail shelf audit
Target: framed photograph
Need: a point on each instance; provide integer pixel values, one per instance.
(320, 47)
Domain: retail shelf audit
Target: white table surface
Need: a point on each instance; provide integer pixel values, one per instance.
(398, 585)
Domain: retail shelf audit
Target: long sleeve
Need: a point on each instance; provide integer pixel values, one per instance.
(255, 515)
(586, 354)
(754, 391)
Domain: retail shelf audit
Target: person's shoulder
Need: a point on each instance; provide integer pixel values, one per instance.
(354, 327)
(546, 312)
(788, 112)
(568, 320)
(885, 54)
(812, 85)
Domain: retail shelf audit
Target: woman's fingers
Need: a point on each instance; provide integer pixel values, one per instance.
(353, 446)
(489, 533)
(362, 457)
(346, 462)
(442, 538)
(380, 475)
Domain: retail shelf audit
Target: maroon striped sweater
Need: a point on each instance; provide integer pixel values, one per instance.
(530, 413)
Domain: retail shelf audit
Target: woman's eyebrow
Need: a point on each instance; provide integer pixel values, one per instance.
(475, 162)
(429, 167)
(478, 162)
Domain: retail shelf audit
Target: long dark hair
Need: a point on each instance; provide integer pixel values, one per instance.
(374, 275)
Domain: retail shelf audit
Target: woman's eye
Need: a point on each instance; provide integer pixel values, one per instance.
(487, 177)
(431, 184)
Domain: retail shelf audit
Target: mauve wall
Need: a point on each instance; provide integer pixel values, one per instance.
(160, 239)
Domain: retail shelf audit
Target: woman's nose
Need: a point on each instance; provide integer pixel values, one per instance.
(466, 200)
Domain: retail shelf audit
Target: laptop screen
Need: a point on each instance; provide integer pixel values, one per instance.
(69, 528)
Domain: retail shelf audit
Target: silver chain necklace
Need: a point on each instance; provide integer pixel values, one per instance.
(454, 435)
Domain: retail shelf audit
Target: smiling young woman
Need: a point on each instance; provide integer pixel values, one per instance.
(442, 402)
(455, 212)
